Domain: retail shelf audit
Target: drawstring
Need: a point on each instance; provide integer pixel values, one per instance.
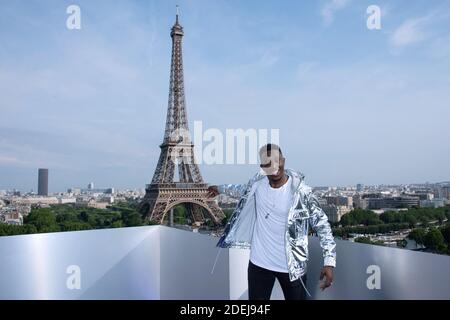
(304, 287)
(217, 257)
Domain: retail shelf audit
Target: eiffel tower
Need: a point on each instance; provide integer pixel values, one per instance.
(177, 152)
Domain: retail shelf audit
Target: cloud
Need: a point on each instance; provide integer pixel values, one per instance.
(409, 32)
(304, 69)
(75, 146)
(7, 160)
(330, 8)
(269, 58)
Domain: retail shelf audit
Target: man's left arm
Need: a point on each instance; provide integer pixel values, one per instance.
(319, 222)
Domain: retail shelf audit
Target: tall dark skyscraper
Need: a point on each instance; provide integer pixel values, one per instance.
(43, 182)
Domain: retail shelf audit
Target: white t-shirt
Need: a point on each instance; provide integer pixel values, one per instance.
(272, 207)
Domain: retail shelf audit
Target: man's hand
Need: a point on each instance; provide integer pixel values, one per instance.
(212, 191)
(327, 273)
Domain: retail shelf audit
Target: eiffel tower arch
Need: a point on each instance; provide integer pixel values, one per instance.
(177, 156)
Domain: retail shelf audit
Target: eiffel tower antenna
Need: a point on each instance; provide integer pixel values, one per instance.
(177, 152)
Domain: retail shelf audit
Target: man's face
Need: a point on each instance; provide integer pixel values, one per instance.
(272, 164)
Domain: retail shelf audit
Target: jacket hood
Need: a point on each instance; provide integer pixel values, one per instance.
(297, 176)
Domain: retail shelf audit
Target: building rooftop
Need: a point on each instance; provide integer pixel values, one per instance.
(158, 262)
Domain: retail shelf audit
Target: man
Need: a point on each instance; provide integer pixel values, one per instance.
(272, 218)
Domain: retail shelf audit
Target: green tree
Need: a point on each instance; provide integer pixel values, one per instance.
(43, 219)
(434, 240)
(117, 224)
(360, 216)
(74, 226)
(12, 230)
(418, 235)
(131, 218)
(390, 216)
(179, 214)
(411, 220)
(363, 240)
(152, 222)
(446, 233)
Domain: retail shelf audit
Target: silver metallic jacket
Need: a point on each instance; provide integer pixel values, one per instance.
(304, 212)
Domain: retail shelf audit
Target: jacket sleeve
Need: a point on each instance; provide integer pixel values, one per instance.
(243, 190)
(232, 221)
(319, 222)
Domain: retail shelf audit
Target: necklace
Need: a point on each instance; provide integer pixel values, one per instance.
(272, 200)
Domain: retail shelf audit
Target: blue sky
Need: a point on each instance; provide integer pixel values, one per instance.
(353, 105)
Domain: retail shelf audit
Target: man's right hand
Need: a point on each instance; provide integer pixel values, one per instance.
(213, 191)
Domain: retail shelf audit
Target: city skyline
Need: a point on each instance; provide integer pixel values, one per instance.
(90, 104)
(142, 188)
